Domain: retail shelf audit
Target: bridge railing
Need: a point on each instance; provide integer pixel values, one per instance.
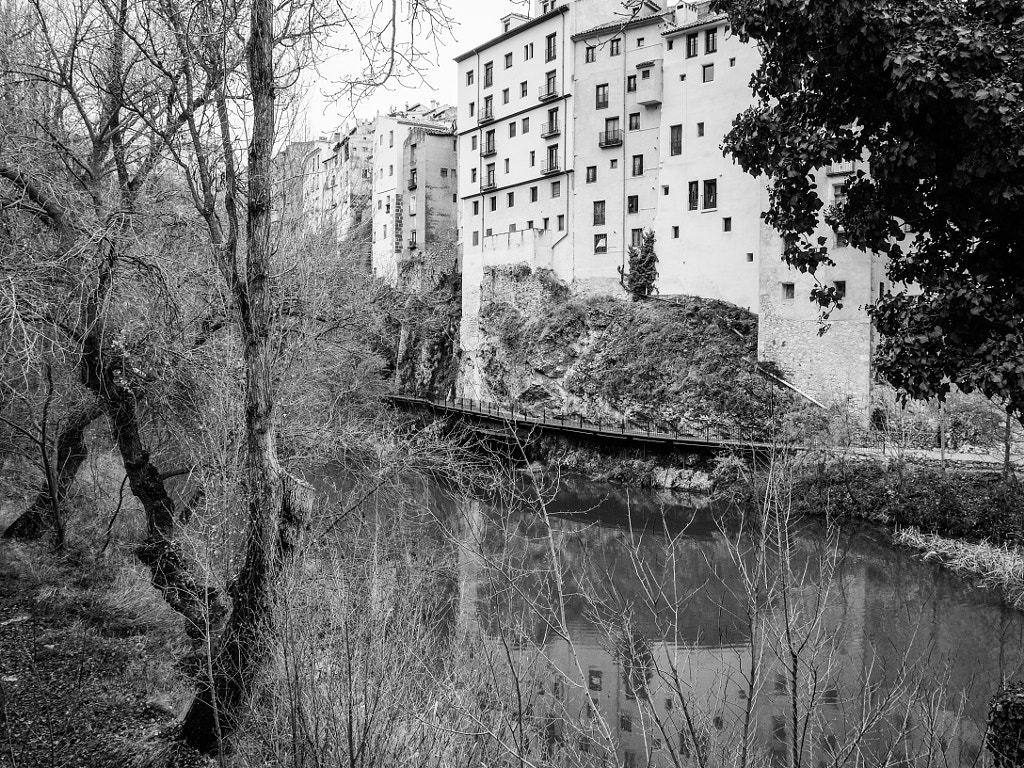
(704, 430)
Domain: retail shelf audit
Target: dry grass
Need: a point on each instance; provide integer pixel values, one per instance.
(999, 567)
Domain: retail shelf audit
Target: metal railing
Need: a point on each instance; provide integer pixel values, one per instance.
(489, 149)
(703, 431)
(551, 166)
(548, 91)
(488, 183)
(486, 115)
(609, 138)
(550, 129)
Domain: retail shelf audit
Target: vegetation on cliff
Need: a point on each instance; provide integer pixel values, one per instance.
(678, 362)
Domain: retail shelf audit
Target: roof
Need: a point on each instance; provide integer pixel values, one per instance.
(713, 18)
(512, 32)
(641, 21)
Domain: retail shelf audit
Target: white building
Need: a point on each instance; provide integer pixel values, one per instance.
(390, 180)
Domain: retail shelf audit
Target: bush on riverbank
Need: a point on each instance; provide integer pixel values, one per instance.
(970, 505)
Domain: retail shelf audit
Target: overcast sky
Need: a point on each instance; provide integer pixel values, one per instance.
(476, 21)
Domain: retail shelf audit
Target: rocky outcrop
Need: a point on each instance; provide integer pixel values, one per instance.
(673, 363)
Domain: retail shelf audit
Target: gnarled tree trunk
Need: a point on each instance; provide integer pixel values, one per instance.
(72, 452)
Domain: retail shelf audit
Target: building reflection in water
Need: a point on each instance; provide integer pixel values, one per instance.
(643, 657)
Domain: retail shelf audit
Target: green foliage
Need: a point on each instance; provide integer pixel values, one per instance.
(643, 269)
(931, 91)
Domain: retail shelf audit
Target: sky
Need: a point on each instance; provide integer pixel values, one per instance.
(476, 21)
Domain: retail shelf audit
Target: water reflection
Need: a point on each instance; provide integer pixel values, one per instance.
(634, 624)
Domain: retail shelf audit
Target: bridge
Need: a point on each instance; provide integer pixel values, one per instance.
(703, 436)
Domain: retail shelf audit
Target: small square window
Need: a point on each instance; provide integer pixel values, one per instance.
(561, 222)
(444, 173)
(630, 83)
(750, 257)
(511, 199)
(556, 189)
(732, 62)
(533, 194)
(512, 227)
(591, 174)
(675, 233)
(476, 238)
(788, 293)
(727, 224)
(842, 240)
(645, 74)
(700, 129)
(600, 246)
(633, 204)
(634, 121)
(616, 47)
(840, 286)
(615, 162)
(709, 72)
(639, 42)
(665, 189)
(529, 224)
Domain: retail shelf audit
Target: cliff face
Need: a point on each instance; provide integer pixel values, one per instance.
(428, 347)
(674, 363)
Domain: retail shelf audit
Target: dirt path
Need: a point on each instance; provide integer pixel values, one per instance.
(79, 680)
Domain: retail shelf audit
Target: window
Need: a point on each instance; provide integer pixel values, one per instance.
(488, 106)
(750, 256)
(472, 175)
(545, 223)
(675, 233)
(636, 237)
(691, 45)
(527, 51)
(561, 222)
(727, 224)
(710, 194)
(633, 204)
(472, 108)
(476, 207)
(591, 174)
(676, 139)
(645, 74)
(616, 47)
(488, 74)
(599, 208)
(625, 723)
(601, 96)
(693, 195)
(591, 54)
(551, 83)
(488, 232)
(506, 165)
(385, 231)
(839, 194)
(529, 224)
(512, 227)
(469, 77)
(669, 703)
(551, 47)
(671, 44)
(511, 199)
(700, 129)
(732, 62)
(631, 84)
(476, 238)
(494, 203)
(639, 42)
(711, 41)
(709, 72)
(391, 138)
(508, 61)
(614, 163)
(523, 89)
(533, 158)
(526, 125)
(533, 194)
(391, 170)
(664, 189)
(840, 286)
(511, 130)
(842, 240)
(412, 238)
(444, 173)
(556, 189)
(600, 246)
(504, 96)
(788, 293)
(634, 121)
(638, 165)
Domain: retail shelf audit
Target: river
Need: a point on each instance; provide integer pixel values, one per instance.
(641, 636)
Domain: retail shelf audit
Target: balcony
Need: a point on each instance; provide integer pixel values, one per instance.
(486, 116)
(548, 91)
(412, 181)
(488, 150)
(550, 129)
(550, 54)
(551, 166)
(840, 169)
(610, 138)
(412, 244)
(488, 184)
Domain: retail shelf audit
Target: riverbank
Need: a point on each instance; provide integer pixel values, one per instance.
(88, 667)
(970, 519)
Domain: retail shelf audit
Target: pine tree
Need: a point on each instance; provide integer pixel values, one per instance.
(643, 269)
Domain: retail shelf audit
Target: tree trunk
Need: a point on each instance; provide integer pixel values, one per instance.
(71, 454)
(279, 505)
